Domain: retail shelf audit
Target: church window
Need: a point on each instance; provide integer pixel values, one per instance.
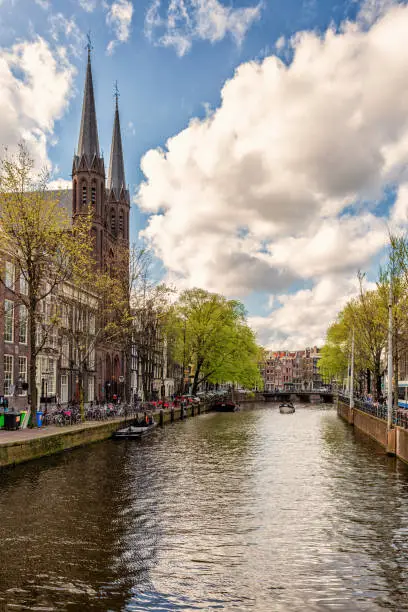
(121, 222)
(74, 202)
(84, 195)
(113, 221)
(93, 195)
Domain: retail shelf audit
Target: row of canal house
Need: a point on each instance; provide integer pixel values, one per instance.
(292, 370)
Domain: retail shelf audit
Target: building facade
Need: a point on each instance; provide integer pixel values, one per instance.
(58, 361)
(292, 370)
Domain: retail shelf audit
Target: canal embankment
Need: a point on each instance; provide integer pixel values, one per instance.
(27, 444)
(394, 441)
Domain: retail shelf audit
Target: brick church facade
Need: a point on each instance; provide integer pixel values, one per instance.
(111, 203)
(57, 377)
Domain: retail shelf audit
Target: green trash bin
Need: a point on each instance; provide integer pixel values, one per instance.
(1, 420)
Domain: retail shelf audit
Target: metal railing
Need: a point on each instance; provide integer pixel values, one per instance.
(400, 415)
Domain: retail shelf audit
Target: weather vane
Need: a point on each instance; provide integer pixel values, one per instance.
(89, 45)
(116, 93)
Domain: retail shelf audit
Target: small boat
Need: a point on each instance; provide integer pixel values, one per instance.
(134, 431)
(286, 408)
(225, 406)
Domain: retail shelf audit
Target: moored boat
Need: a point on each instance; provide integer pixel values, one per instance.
(286, 408)
(134, 431)
(225, 406)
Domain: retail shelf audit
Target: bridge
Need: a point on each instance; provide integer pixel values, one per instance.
(309, 396)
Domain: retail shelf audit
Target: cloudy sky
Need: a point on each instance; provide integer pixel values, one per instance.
(266, 142)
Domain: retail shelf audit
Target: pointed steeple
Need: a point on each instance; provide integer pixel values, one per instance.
(116, 175)
(88, 143)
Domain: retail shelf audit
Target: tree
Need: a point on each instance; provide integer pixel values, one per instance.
(366, 317)
(212, 335)
(38, 240)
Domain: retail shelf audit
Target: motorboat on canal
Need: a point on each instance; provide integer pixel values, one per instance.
(138, 430)
(286, 408)
(225, 406)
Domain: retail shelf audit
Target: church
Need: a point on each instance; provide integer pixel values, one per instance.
(57, 362)
(111, 207)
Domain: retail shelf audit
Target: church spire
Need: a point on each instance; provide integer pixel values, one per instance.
(116, 175)
(88, 143)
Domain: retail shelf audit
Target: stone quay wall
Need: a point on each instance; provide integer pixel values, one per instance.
(24, 445)
(395, 442)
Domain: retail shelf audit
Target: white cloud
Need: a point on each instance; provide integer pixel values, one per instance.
(66, 30)
(45, 4)
(60, 184)
(282, 180)
(188, 20)
(35, 88)
(88, 5)
(371, 10)
(302, 318)
(119, 18)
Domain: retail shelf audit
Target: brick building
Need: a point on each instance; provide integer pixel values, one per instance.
(57, 371)
(292, 370)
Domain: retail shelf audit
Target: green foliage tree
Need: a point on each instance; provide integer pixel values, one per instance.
(211, 335)
(37, 238)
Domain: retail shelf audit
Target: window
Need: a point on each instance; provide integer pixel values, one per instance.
(64, 389)
(22, 373)
(84, 194)
(113, 221)
(93, 195)
(23, 284)
(121, 222)
(22, 332)
(65, 316)
(8, 321)
(64, 352)
(74, 201)
(9, 275)
(91, 389)
(91, 359)
(8, 374)
(91, 323)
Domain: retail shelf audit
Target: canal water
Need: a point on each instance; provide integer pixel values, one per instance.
(247, 511)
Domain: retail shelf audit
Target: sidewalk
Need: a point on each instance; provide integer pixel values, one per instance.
(25, 435)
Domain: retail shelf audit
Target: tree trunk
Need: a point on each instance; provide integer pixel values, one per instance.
(196, 376)
(128, 373)
(32, 328)
(395, 372)
(81, 396)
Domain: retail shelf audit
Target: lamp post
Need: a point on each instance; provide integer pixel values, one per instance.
(352, 373)
(389, 397)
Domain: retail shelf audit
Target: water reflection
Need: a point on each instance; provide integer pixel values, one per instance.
(248, 511)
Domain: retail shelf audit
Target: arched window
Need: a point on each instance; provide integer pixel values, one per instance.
(93, 195)
(113, 221)
(84, 194)
(74, 198)
(121, 222)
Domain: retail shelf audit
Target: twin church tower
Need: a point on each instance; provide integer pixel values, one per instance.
(110, 201)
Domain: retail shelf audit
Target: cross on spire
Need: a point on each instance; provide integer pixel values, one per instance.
(89, 44)
(116, 93)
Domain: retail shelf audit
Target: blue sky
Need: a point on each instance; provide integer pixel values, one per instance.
(211, 205)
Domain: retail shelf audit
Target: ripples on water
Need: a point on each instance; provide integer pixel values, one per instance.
(246, 511)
